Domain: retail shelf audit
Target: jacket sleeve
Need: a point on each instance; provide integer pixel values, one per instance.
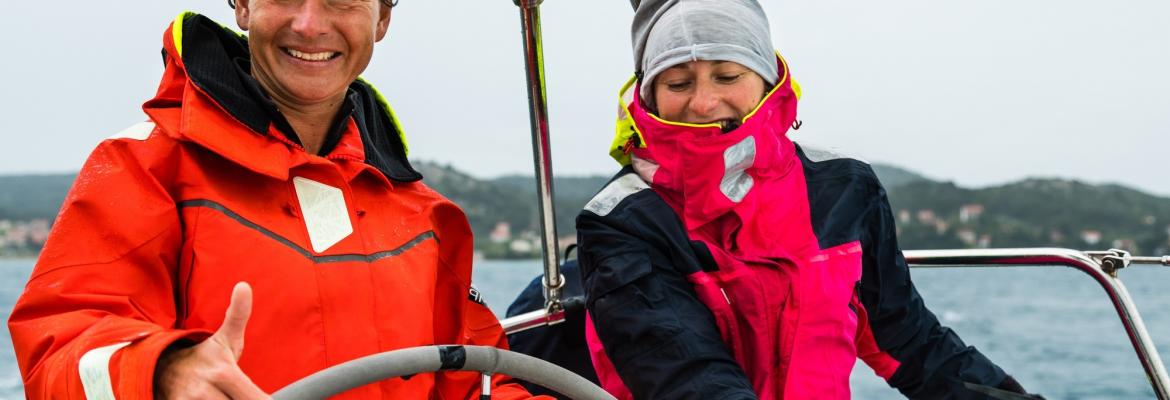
(476, 324)
(99, 307)
(662, 340)
(933, 361)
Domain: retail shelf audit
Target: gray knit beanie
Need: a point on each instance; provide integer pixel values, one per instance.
(671, 32)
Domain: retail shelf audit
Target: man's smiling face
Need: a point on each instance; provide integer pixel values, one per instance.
(307, 52)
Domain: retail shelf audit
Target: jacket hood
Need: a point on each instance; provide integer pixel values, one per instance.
(202, 85)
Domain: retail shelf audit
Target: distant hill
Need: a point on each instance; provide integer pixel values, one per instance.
(1034, 212)
(572, 192)
(892, 176)
(26, 197)
(485, 202)
(930, 214)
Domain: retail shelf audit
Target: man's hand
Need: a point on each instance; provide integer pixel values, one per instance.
(208, 370)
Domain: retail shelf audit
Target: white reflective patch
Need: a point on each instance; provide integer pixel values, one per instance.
(736, 159)
(324, 211)
(94, 369)
(139, 131)
(614, 193)
(819, 154)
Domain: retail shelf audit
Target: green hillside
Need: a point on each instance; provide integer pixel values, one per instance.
(1035, 212)
(26, 197)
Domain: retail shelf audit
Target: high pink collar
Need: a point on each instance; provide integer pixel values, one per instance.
(704, 173)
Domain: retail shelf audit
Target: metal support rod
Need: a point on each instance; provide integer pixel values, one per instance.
(541, 151)
(1163, 260)
(532, 319)
(485, 387)
(1131, 320)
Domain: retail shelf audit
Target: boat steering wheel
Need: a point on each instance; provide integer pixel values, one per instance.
(405, 362)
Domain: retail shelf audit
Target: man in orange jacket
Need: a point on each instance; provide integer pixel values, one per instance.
(263, 160)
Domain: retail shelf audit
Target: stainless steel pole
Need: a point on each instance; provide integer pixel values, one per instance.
(538, 115)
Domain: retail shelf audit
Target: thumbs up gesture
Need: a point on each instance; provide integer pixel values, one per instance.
(208, 370)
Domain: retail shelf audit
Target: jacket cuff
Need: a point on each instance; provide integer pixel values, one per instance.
(134, 374)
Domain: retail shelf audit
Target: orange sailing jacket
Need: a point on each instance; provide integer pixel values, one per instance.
(348, 254)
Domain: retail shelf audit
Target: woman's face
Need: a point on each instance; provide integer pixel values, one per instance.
(703, 92)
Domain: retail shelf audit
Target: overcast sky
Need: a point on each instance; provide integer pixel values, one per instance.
(980, 92)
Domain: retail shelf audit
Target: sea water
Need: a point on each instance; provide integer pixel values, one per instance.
(1052, 328)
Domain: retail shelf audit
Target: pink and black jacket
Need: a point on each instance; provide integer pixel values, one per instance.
(729, 265)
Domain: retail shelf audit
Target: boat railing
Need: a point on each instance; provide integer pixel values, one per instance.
(1102, 266)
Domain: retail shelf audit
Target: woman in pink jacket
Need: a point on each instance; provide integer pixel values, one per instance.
(726, 262)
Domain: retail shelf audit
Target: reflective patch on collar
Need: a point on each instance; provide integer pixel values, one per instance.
(475, 296)
(819, 154)
(614, 193)
(736, 160)
(94, 368)
(324, 211)
(139, 131)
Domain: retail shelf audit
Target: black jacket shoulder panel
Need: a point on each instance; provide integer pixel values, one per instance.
(841, 194)
(645, 215)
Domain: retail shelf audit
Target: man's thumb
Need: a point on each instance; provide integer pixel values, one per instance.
(231, 333)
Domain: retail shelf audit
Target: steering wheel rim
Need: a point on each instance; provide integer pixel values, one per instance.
(415, 360)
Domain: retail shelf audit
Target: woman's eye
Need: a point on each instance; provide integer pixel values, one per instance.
(727, 78)
(677, 86)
